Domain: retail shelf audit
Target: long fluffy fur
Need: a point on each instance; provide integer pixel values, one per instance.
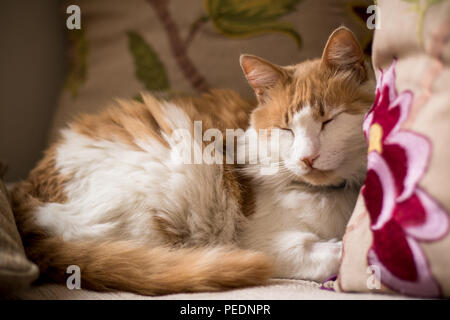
(126, 266)
(111, 198)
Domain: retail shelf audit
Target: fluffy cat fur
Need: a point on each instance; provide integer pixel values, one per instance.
(113, 197)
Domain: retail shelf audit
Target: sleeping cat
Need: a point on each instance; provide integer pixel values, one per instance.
(114, 197)
(300, 213)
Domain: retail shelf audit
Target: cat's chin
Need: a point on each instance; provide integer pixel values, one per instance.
(321, 178)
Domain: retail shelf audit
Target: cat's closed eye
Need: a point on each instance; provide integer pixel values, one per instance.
(287, 130)
(326, 122)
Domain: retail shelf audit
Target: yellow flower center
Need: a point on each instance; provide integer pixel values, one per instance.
(375, 136)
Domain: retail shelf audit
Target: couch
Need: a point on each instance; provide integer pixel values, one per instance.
(82, 70)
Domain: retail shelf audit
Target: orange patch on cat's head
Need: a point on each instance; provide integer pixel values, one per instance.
(341, 80)
(338, 79)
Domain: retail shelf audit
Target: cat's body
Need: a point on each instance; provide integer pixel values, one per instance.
(114, 197)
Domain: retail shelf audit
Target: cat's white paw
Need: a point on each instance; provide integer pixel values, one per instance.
(327, 258)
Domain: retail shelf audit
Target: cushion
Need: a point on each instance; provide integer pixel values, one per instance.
(16, 271)
(178, 46)
(397, 239)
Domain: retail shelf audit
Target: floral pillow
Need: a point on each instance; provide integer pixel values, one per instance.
(178, 46)
(398, 237)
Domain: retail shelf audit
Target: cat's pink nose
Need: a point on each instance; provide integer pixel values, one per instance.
(309, 161)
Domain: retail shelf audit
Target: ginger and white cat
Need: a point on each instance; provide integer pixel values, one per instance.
(301, 212)
(114, 197)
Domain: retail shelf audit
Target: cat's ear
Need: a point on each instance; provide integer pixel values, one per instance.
(261, 74)
(343, 52)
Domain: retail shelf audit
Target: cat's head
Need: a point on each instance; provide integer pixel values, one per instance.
(319, 106)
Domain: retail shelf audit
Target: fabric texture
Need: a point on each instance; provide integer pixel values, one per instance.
(277, 289)
(398, 236)
(16, 271)
(174, 47)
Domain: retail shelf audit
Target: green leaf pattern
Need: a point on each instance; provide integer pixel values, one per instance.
(237, 18)
(78, 51)
(231, 18)
(150, 71)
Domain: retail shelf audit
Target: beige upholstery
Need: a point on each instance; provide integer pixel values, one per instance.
(276, 290)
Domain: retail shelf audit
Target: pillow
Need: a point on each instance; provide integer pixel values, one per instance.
(16, 271)
(178, 46)
(397, 239)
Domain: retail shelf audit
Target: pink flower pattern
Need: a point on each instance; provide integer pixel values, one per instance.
(401, 213)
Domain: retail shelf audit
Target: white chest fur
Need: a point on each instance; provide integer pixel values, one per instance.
(300, 229)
